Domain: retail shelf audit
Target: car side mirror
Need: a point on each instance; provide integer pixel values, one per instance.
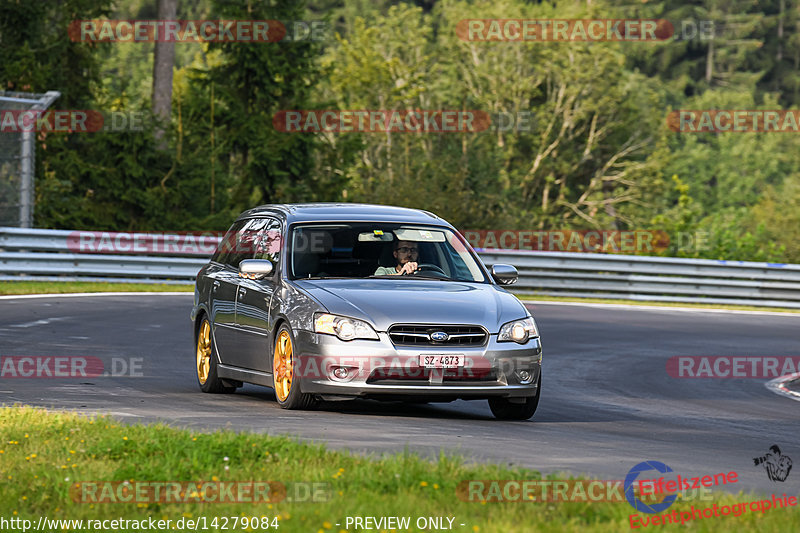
(255, 268)
(504, 274)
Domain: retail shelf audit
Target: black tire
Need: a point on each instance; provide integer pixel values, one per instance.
(206, 361)
(502, 409)
(287, 393)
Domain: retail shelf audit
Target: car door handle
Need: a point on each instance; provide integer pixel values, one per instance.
(216, 286)
(242, 291)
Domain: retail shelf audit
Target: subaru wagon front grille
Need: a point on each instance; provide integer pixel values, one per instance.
(433, 335)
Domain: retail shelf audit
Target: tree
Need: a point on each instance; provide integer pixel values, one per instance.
(252, 82)
(163, 62)
(38, 54)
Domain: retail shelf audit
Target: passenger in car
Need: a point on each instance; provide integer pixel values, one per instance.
(405, 253)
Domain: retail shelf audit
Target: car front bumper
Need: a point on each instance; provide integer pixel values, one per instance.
(380, 369)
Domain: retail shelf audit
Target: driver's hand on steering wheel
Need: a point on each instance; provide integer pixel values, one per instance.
(408, 268)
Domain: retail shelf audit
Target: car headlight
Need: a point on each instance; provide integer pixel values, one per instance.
(345, 328)
(518, 331)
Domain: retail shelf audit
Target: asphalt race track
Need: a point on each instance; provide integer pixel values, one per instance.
(607, 404)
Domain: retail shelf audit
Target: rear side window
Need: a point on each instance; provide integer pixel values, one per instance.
(228, 243)
(255, 238)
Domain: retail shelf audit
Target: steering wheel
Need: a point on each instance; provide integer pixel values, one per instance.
(429, 266)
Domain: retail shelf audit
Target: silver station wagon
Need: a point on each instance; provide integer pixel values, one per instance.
(339, 301)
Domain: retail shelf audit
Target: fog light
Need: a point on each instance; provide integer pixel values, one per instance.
(340, 372)
(524, 376)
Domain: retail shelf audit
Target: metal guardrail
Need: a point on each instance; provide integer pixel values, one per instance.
(56, 254)
(788, 386)
(44, 254)
(666, 279)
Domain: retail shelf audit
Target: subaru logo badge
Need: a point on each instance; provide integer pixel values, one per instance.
(439, 336)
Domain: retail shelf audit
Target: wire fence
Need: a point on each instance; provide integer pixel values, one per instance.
(18, 155)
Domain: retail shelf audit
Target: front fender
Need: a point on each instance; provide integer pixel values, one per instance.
(294, 306)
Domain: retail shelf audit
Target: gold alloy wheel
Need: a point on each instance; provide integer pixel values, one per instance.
(204, 352)
(282, 366)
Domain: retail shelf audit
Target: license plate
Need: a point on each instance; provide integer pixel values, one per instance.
(441, 361)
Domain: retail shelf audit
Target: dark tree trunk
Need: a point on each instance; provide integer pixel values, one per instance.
(163, 61)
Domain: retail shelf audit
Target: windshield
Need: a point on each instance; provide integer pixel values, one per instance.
(368, 249)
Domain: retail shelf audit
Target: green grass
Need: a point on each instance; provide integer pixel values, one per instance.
(43, 453)
(533, 298)
(55, 287)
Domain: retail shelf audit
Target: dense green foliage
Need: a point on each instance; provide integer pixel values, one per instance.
(597, 154)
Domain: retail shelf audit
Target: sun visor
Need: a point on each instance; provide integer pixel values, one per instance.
(419, 235)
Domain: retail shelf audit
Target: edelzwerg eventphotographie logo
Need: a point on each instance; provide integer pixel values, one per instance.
(630, 481)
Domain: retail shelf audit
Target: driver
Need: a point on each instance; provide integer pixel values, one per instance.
(405, 253)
